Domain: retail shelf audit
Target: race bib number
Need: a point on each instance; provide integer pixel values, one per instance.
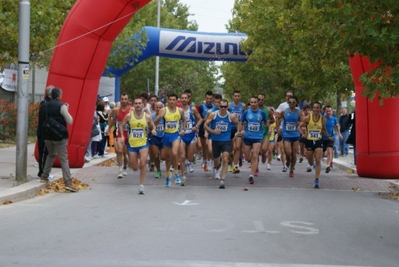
(253, 126)
(189, 125)
(290, 126)
(314, 135)
(171, 125)
(137, 133)
(159, 128)
(221, 126)
(238, 115)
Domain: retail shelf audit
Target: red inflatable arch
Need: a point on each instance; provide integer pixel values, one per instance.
(79, 60)
(377, 143)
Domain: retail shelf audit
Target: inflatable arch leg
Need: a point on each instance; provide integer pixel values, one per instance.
(377, 143)
(80, 58)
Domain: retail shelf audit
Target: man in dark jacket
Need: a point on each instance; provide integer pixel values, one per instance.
(40, 141)
(59, 112)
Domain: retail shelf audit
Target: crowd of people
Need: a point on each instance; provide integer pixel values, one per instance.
(221, 133)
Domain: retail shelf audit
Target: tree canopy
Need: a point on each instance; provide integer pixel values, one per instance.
(304, 45)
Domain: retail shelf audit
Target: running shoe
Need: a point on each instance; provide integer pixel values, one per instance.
(124, 172)
(250, 165)
(257, 172)
(120, 175)
(308, 168)
(263, 158)
(285, 168)
(316, 184)
(217, 174)
(291, 175)
(268, 167)
(203, 164)
(300, 159)
(167, 182)
(190, 167)
(195, 159)
(206, 167)
(177, 178)
(231, 168)
(331, 164)
(221, 184)
(288, 162)
(158, 174)
(328, 169)
(251, 180)
(236, 169)
(279, 158)
(141, 189)
(183, 181)
(240, 162)
(152, 167)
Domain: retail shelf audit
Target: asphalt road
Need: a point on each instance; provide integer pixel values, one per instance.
(200, 225)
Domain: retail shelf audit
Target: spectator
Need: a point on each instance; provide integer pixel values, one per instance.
(352, 136)
(103, 121)
(57, 110)
(344, 126)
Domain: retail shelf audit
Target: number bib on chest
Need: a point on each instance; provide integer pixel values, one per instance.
(253, 126)
(159, 128)
(171, 125)
(314, 135)
(222, 126)
(290, 126)
(189, 124)
(137, 133)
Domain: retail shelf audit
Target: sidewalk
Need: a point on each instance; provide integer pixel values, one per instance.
(342, 177)
(10, 190)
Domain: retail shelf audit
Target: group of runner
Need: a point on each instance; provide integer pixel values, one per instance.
(221, 132)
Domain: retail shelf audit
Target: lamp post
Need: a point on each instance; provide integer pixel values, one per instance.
(22, 91)
(157, 57)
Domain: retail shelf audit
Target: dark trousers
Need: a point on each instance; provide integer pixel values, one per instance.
(43, 152)
(101, 145)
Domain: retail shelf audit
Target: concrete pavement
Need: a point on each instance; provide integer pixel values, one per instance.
(342, 177)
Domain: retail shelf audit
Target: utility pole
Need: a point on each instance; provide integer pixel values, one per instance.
(157, 57)
(23, 90)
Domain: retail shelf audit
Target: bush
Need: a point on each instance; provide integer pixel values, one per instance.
(8, 120)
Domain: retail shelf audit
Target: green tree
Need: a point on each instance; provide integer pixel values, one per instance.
(175, 74)
(293, 47)
(47, 17)
(369, 28)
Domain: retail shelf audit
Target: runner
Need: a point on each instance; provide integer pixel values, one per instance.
(315, 125)
(187, 144)
(116, 116)
(203, 111)
(137, 144)
(171, 138)
(220, 129)
(155, 141)
(306, 112)
(237, 108)
(290, 118)
(332, 127)
(254, 121)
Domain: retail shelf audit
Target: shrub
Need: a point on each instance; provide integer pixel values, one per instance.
(8, 120)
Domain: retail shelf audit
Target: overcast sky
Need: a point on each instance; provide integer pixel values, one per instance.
(211, 15)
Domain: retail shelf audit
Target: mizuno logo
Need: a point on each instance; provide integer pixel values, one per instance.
(191, 45)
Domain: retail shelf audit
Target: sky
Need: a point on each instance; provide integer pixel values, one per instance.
(211, 15)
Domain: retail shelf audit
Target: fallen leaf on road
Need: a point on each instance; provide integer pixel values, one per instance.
(58, 186)
(7, 202)
(245, 189)
(107, 163)
(350, 171)
(356, 189)
(210, 178)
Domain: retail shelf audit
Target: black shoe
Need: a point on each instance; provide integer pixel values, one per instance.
(300, 160)
(328, 169)
(251, 180)
(221, 184)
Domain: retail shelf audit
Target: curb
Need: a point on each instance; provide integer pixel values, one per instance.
(342, 166)
(29, 189)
